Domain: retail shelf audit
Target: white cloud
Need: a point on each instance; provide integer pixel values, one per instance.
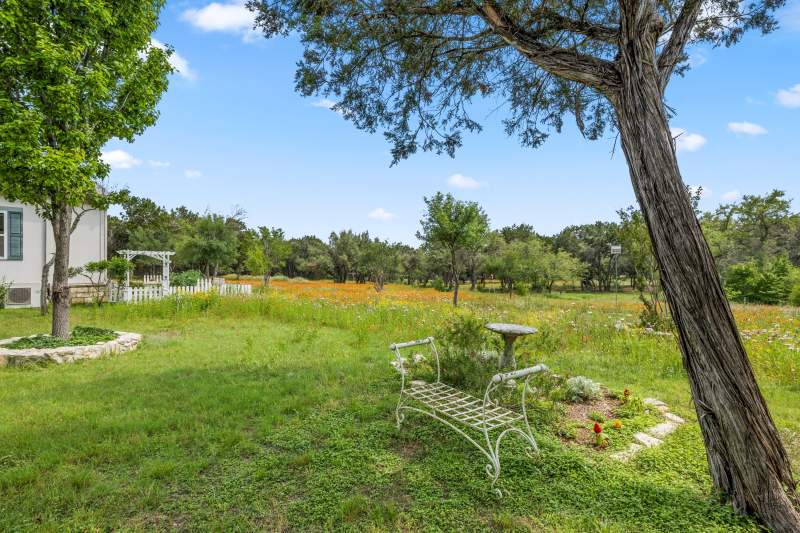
(192, 173)
(747, 128)
(381, 214)
(327, 103)
(155, 163)
(789, 97)
(705, 193)
(119, 159)
(689, 142)
(460, 181)
(231, 17)
(697, 58)
(753, 101)
(731, 196)
(177, 62)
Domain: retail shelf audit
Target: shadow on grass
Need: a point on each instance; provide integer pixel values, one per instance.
(305, 444)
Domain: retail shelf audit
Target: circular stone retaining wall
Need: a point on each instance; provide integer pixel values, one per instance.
(125, 342)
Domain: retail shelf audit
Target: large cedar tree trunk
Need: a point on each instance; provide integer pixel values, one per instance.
(747, 461)
(62, 224)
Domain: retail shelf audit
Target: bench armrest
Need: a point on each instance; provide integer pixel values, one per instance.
(409, 344)
(518, 374)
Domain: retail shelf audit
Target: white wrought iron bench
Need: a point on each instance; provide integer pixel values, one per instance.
(461, 411)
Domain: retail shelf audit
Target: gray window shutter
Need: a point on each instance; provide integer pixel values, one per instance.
(15, 235)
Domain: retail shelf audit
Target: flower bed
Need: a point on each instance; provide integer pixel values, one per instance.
(83, 343)
(80, 336)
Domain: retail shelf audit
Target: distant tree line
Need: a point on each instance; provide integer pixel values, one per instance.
(756, 243)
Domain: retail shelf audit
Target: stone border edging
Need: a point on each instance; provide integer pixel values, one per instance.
(653, 436)
(125, 342)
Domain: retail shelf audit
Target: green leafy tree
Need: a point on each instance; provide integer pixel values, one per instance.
(382, 261)
(211, 246)
(591, 244)
(762, 282)
(269, 253)
(94, 271)
(411, 68)
(309, 258)
(346, 248)
(518, 232)
(454, 225)
(513, 263)
(554, 267)
(114, 269)
(74, 75)
(756, 227)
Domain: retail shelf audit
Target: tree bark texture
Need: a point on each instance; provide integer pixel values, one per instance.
(62, 229)
(747, 460)
(44, 295)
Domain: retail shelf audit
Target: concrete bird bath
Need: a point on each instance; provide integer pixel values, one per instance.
(510, 332)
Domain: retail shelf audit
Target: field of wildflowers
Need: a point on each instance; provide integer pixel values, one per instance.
(274, 412)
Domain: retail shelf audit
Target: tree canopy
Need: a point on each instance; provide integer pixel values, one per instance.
(72, 78)
(411, 69)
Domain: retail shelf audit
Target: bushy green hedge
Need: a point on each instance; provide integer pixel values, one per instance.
(762, 283)
(190, 278)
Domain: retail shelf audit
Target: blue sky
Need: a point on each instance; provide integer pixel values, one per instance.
(233, 132)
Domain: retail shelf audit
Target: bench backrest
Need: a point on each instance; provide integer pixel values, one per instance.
(421, 342)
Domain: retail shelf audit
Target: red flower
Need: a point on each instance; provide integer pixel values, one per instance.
(626, 393)
(597, 428)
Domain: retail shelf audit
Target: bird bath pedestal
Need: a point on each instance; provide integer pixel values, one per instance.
(510, 332)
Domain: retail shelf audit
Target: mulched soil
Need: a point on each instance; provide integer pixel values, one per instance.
(579, 412)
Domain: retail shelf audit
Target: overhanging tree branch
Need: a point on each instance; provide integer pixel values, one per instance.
(568, 64)
(672, 53)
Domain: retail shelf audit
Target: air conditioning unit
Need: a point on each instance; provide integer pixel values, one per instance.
(19, 296)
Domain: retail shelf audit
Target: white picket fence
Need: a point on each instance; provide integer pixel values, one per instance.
(137, 295)
(152, 279)
(157, 279)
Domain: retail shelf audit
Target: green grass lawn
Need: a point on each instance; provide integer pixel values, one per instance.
(277, 414)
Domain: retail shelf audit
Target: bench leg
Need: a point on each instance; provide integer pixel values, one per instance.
(398, 414)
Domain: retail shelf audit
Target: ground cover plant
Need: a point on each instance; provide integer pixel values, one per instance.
(80, 336)
(275, 412)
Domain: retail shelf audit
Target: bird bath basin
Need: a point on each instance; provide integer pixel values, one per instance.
(509, 332)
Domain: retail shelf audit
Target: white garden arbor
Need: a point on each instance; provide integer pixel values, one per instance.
(163, 256)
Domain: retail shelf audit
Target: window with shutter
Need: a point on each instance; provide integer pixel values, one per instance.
(15, 235)
(10, 234)
(2, 234)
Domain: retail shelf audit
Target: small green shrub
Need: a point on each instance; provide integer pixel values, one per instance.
(462, 343)
(4, 288)
(581, 389)
(190, 278)
(521, 290)
(80, 336)
(597, 416)
(440, 285)
(655, 315)
(631, 406)
(466, 333)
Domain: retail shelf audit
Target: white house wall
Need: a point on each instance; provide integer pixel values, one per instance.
(88, 243)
